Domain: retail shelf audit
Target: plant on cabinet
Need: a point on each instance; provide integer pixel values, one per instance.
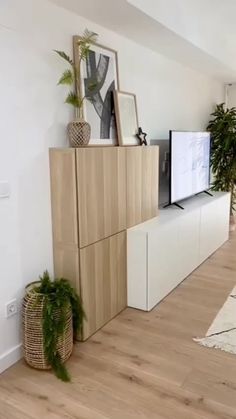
(223, 153)
(79, 130)
(52, 316)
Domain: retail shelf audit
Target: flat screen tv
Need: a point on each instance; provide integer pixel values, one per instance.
(189, 164)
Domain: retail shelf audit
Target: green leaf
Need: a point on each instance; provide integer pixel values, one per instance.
(223, 149)
(57, 296)
(85, 42)
(63, 55)
(89, 37)
(74, 100)
(67, 78)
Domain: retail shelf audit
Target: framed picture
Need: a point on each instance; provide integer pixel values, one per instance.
(100, 69)
(126, 118)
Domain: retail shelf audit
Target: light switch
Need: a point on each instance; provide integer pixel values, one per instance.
(4, 190)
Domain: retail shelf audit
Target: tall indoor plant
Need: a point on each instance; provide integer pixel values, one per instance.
(223, 151)
(79, 130)
(52, 315)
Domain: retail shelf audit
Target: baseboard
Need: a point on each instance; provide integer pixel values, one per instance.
(10, 357)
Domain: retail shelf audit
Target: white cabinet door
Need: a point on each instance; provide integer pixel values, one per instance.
(214, 230)
(164, 271)
(161, 255)
(137, 269)
(189, 231)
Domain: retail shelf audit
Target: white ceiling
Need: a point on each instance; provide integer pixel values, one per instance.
(198, 33)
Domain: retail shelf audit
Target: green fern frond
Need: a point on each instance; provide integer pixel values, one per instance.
(84, 51)
(74, 100)
(63, 55)
(223, 150)
(85, 42)
(67, 78)
(73, 76)
(89, 37)
(58, 295)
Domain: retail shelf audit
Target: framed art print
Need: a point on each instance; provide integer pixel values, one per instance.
(126, 118)
(100, 69)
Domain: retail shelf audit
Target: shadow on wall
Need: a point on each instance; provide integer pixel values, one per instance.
(164, 170)
(34, 208)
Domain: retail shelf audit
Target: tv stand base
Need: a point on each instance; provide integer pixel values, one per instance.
(175, 203)
(206, 192)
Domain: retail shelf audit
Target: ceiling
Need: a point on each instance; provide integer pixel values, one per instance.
(197, 33)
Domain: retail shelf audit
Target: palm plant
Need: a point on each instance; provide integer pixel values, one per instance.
(72, 76)
(223, 150)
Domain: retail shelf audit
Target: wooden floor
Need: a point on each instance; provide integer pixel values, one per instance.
(141, 365)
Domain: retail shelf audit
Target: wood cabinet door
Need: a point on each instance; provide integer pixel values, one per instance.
(142, 184)
(103, 281)
(63, 196)
(101, 178)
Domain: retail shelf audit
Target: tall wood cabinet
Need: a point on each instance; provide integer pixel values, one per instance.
(96, 194)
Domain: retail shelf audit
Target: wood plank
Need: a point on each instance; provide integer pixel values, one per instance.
(63, 196)
(103, 281)
(101, 174)
(66, 264)
(142, 184)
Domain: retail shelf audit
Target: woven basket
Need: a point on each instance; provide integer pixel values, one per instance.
(33, 347)
(79, 132)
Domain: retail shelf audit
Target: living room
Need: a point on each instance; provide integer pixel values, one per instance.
(77, 175)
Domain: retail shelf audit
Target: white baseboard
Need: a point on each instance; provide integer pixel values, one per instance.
(10, 357)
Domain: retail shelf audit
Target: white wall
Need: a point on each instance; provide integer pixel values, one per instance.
(231, 96)
(34, 117)
(208, 24)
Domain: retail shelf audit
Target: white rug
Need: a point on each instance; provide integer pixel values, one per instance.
(222, 332)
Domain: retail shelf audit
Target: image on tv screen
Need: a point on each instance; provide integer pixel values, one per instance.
(190, 164)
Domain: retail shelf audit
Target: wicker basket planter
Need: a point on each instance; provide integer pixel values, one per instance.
(79, 132)
(33, 344)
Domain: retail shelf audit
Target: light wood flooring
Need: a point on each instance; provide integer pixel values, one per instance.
(141, 365)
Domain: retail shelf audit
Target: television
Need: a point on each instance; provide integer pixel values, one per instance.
(189, 164)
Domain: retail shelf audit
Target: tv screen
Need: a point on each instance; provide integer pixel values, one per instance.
(190, 164)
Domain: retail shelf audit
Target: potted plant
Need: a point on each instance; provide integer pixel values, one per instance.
(79, 130)
(52, 316)
(223, 152)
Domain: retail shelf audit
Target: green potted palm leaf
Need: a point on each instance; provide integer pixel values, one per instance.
(223, 152)
(79, 130)
(52, 316)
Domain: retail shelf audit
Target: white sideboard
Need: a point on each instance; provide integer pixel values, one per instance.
(163, 251)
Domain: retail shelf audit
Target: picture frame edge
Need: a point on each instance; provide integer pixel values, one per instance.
(117, 110)
(76, 38)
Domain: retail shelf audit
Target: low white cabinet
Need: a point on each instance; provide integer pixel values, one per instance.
(164, 250)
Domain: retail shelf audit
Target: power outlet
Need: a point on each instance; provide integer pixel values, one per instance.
(11, 308)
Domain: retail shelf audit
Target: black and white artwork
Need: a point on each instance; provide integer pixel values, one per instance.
(99, 80)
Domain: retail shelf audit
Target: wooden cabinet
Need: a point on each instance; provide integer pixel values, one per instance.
(96, 192)
(142, 184)
(103, 281)
(101, 174)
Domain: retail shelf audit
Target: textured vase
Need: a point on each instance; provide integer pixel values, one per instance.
(33, 341)
(79, 132)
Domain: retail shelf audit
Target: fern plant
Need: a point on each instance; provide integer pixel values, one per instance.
(223, 150)
(58, 295)
(72, 76)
